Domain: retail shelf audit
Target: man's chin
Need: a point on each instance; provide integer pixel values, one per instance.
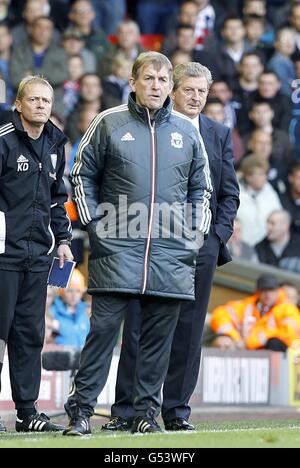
(191, 114)
(41, 121)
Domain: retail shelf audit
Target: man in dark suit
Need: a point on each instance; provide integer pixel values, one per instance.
(191, 88)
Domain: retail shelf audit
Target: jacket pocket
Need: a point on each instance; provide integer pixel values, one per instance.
(2, 232)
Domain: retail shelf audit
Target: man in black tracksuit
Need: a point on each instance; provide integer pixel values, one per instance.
(33, 221)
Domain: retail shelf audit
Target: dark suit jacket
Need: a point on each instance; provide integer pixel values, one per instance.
(225, 198)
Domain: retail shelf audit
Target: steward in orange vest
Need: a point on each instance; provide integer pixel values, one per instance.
(266, 320)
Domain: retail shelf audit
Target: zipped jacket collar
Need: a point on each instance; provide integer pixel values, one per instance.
(142, 113)
(55, 134)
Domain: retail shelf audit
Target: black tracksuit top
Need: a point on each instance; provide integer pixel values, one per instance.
(32, 196)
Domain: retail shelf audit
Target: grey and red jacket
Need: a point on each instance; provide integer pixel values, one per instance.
(127, 161)
(32, 196)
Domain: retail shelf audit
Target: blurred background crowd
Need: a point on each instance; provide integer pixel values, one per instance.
(86, 49)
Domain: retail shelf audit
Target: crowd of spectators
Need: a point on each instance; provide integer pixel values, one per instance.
(86, 49)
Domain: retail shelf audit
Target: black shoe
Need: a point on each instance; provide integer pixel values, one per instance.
(37, 423)
(145, 424)
(2, 428)
(179, 425)
(79, 424)
(117, 424)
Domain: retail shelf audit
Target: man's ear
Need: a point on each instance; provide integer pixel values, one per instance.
(18, 106)
(132, 84)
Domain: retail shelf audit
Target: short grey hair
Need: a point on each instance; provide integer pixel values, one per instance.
(152, 58)
(191, 70)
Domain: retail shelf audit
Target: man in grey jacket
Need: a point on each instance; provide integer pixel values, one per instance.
(142, 188)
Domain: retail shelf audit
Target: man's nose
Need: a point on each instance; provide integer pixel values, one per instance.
(155, 83)
(196, 95)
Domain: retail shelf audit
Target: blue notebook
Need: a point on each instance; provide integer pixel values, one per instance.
(60, 277)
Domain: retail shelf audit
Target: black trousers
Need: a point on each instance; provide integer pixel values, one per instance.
(184, 365)
(158, 322)
(22, 330)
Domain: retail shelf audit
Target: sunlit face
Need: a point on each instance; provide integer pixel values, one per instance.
(191, 96)
(152, 87)
(36, 105)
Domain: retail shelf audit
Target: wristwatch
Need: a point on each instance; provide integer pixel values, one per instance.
(64, 242)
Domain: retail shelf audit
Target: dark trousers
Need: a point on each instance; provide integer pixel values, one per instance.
(185, 357)
(158, 322)
(22, 330)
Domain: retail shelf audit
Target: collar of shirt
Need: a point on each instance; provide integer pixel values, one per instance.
(278, 249)
(236, 56)
(196, 123)
(253, 193)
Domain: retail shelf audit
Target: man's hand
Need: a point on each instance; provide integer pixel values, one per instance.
(64, 253)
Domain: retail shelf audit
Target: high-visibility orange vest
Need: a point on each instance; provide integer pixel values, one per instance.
(242, 321)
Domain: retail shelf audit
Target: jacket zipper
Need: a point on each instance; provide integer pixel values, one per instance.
(151, 217)
(34, 209)
(40, 165)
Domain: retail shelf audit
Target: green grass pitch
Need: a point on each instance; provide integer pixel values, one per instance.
(242, 434)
